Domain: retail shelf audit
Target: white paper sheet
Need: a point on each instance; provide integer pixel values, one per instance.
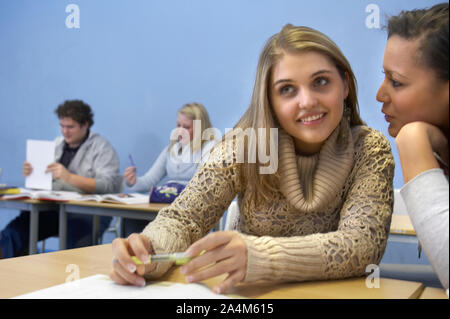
(102, 287)
(40, 154)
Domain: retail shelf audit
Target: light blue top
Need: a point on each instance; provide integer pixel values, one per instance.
(179, 165)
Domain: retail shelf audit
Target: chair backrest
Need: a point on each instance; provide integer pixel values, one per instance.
(399, 204)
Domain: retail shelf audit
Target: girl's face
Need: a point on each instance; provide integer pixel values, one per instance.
(307, 95)
(185, 126)
(411, 92)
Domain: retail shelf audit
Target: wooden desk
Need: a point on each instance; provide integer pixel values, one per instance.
(433, 293)
(401, 224)
(137, 211)
(26, 274)
(402, 230)
(34, 207)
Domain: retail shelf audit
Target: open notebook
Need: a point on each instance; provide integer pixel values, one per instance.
(102, 287)
(64, 196)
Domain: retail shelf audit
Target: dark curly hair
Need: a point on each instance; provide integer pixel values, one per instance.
(431, 27)
(77, 110)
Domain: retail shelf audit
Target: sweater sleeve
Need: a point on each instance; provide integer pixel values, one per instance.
(426, 199)
(196, 210)
(360, 237)
(153, 176)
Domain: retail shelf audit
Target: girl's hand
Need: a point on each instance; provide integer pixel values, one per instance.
(130, 175)
(416, 142)
(439, 143)
(226, 252)
(125, 271)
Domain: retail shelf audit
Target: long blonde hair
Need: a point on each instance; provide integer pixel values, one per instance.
(195, 111)
(260, 114)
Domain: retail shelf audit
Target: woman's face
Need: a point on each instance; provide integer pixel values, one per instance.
(185, 126)
(307, 95)
(410, 91)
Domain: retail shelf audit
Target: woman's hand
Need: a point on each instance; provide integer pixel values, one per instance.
(416, 143)
(226, 252)
(439, 143)
(125, 271)
(130, 175)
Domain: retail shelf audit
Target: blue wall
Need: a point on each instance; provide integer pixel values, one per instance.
(136, 62)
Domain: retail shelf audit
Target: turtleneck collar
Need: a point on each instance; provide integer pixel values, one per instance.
(310, 183)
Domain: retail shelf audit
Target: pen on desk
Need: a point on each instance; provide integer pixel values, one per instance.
(178, 258)
(131, 161)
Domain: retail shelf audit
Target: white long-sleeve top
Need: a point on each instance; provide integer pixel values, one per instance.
(426, 199)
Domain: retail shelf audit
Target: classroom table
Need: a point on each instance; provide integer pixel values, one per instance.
(401, 224)
(433, 293)
(96, 209)
(402, 230)
(34, 207)
(30, 273)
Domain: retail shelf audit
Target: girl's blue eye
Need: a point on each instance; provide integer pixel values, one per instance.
(287, 89)
(321, 81)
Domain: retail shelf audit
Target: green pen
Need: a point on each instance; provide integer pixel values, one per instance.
(178, 258)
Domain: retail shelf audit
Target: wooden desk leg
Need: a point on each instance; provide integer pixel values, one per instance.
(62, 227)
(34, 229)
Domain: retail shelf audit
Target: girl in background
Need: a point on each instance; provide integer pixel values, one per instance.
(177, 162)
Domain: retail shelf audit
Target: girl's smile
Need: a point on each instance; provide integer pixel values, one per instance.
(307, 95)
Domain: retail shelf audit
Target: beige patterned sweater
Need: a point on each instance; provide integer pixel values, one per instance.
(333, 231)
